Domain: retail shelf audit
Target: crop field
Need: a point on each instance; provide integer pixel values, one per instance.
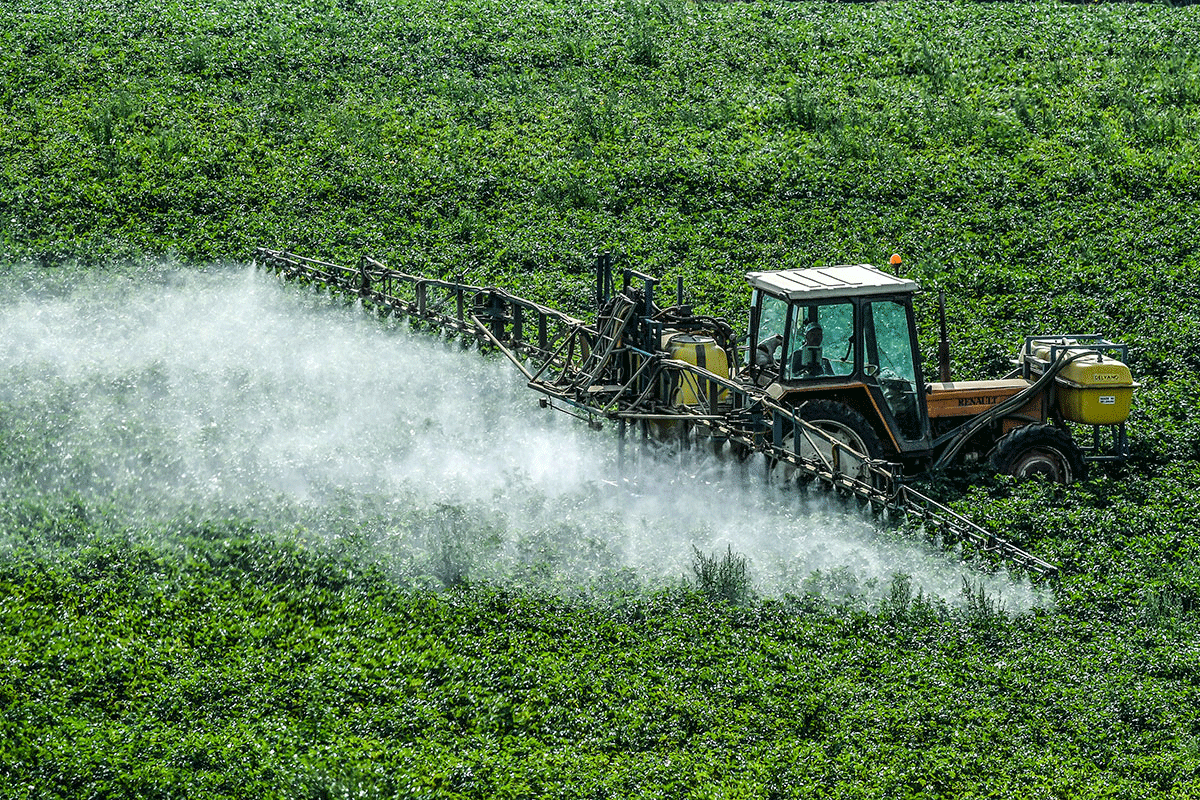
(257, 543)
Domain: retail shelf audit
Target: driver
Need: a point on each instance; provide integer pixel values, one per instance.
(808, 360)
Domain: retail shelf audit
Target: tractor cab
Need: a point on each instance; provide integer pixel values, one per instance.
(845, 334)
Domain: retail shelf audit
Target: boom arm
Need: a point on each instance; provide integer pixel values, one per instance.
(615, 369)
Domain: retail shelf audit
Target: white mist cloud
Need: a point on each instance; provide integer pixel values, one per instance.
(227, 388)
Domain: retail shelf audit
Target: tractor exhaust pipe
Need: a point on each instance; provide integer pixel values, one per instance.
(943, 341)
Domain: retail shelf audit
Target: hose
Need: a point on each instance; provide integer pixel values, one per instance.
(1000, 409)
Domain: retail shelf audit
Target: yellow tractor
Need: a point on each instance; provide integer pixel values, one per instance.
(839, 345)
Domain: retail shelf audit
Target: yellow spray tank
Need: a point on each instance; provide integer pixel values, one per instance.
(701, 351)
(1093, 388)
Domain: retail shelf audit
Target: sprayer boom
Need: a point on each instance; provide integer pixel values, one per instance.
(664, 372)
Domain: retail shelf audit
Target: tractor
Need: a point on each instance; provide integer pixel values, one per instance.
(839, 345)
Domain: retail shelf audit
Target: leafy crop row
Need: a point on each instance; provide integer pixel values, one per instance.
(1036, 160)
(253, 667)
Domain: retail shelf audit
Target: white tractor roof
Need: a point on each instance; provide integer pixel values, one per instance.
(821, 283)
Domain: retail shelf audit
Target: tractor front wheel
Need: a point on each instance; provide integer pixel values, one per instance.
(1039, 450)
(842, 424)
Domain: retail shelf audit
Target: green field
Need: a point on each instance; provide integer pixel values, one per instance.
(1038, 161)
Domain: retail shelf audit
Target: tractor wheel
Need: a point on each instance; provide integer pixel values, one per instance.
(842, 423)
(1039, 450)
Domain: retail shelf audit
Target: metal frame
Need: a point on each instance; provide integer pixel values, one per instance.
(1095, 451)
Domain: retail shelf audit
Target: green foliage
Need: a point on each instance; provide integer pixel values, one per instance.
(225, 662)
(725, 578)
(451, 555)
(1037, 161)
(688, 136)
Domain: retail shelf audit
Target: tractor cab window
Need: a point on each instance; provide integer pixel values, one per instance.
(890, 361)
(772, 319)
(821, 341)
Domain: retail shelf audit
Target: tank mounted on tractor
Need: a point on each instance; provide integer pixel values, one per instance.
(829, 387)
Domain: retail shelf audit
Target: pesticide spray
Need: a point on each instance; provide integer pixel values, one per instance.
(224, 392)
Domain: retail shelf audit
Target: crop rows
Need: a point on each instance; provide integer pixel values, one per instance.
(1036, 160)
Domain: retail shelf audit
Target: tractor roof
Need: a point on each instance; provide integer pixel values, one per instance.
(826, 282)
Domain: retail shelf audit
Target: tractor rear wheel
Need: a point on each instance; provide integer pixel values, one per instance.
(1039, 450)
